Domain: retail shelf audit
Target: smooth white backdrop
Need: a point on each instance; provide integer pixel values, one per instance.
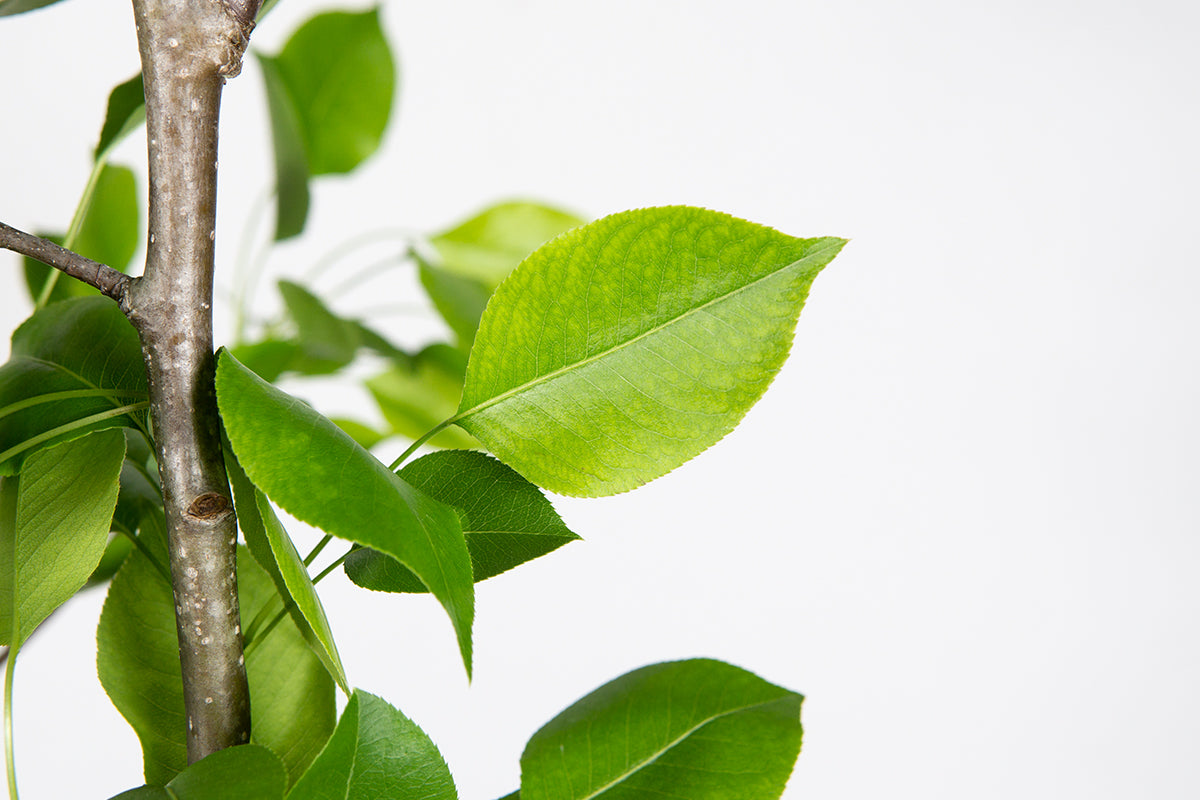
(964, 520)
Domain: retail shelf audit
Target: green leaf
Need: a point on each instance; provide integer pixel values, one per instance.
(694, 730)
(291, 163)
(9, 7)
(474, 256)
(376, 752)
(246, 772)
(54, 528)
(325, 338)
(108, 234)
(293, 709)
(126, 112)
(490, 244)
(115, 553)
(366, 436)
(269, 358)
(622, 349)
(273, 550)
(318, 474)
(416, 396)
(507, 521)
(84, 347)
(339, 73)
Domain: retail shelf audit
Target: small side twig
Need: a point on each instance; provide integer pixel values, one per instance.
(109, 281)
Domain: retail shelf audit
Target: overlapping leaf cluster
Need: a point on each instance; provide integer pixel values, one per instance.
(587, 359)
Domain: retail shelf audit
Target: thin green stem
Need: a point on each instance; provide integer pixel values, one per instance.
(321, 265)
(81, 209)
(290, 603)
(316, 551)
(374, 269)
(331, 567)
(34, 441)
(9, 759)
(70, 394)
(412, 448)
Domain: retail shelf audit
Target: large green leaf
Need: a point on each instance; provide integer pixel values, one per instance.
(318, 474)
(339, 73)
(54, 526)
(74, 365)
(291, 163)
(247, 772)
(376, 752)
(622, 349)
(293, 709)
(476, 255)
(271, 547)
(693, 730)
(108, 234)
(415, 396)
(506, 520)
(126, 112)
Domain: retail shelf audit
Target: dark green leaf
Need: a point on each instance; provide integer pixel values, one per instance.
(325, 338)
(84, 346)
(109, 234)
(319, 475)
(622, 349)
(339, 74)
(694, 730)
(9, 7)
(293, 708)
(507, 521)
(115, 553)
(275, 553)
(248, 772)
(291, 163)
(376, 752)
(126, 112)
(416, 396)
(54, 528)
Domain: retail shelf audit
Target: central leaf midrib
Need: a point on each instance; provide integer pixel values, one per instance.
(671, 744)
(563, 370)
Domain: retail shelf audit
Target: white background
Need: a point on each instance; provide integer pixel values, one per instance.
(964, 520)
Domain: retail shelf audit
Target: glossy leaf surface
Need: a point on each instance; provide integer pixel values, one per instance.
(694, 730)
(84, 347)
(507, 521)
(273, 550)
(293, 708)
(415, 396)
(109, 234)
(54, 525)
(339, 73)
(622, 349)
(318, 474)
(376, 752)
(248, 772)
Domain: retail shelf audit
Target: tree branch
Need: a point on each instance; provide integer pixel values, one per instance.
(188, 47)
(109, 281)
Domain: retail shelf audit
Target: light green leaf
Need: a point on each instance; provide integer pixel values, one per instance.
(324, 337)
(126, 112)
(291, 163)
(71, 361)
(109, 234)
(490, 244)
(269, 358)
(275, 553)
(506, 520)
(9, 7)
(416, 396)
(319, 475)
(376, 752)
(292, 711)
(54, 528)
(622, 349)
(474, 256)
(247, 772)
(694, 730)
(339, 73)
(366, 436)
